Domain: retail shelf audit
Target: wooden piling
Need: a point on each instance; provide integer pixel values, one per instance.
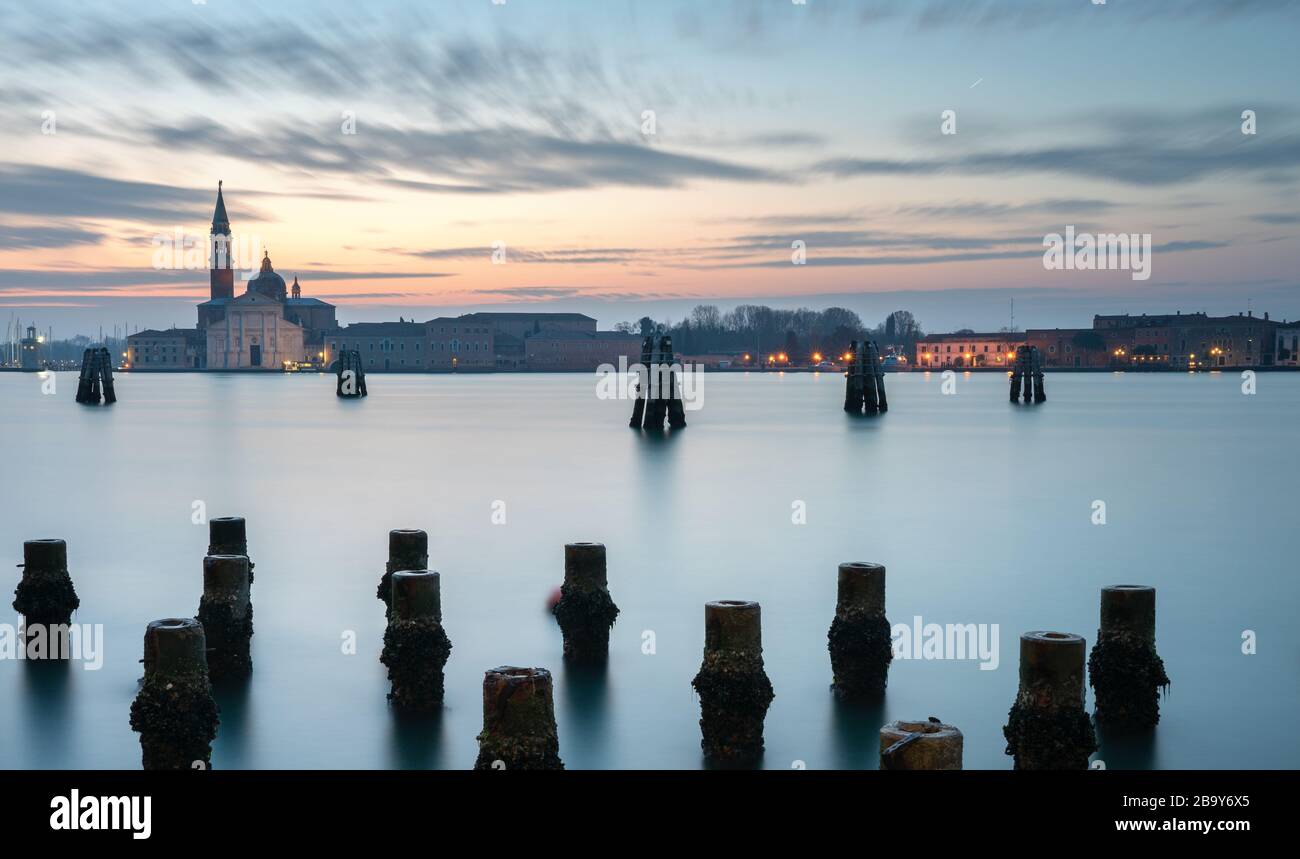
(96, 376)
(174, 711)
(226, 613)
(585, 611)
(45, 595)
(1048, 728)
(734, 689)
(859, 640)
(351, 376)
(643, 384)
(519, 730)
(676, 409)
(928, 745)
(408, 549)
(1126, 673)
(864, 387)
(416, 647)
(1036, 365)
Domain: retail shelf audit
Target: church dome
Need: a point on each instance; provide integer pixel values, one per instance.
(267, 282)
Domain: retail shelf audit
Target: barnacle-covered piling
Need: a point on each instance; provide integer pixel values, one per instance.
(733, 687)
(859, 638)
(416, 647)
(45, 595)
(1126, 673)
(174, 711)
(585, 611)
(1048, 728)
(519, 731)
(226, 613)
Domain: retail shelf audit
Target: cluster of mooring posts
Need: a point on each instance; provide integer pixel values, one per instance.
(1047, 728)
(659, 392)
(1028, 373)
(351, 376)
(96, 377)
(864, 391)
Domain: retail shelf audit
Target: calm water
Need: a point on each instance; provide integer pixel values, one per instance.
(981, 511)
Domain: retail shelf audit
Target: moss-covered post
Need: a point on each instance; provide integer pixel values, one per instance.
(174, 712)
(519, 731)
(45, 595)
(859, 639)
(408, 549)
(1126, 673)
(1048, 728)
(225, 611)
(585, 610)
(415, 645)
(733, 687)
(928, 745)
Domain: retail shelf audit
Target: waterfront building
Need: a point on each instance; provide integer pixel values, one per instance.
(173, 349)
(1286, 350)
(967, 349)
(580, 350)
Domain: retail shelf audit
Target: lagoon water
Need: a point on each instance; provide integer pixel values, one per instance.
(982, 512)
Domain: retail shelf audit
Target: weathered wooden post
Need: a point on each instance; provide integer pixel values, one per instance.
(878, 378)
(870, 360)
(1048, 728)
(87, 375)
(174, 712)
(408, 549)
(45, 595)
(1036, 363)
(656, 410)
(226, 613)
(519, 731)
(643, 384)
(415, 645)
(853, 381)
(1017, 374)
(106, 374)
(929, 745)
(676, 409)
(1126, 673)
(859, 640)
(733, 687)
(585, 610)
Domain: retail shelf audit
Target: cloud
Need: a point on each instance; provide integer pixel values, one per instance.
(46, 236)
(1148, 163)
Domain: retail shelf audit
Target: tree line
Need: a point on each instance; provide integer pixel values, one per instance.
(760, 330)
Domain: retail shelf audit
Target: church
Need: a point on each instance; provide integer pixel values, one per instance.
(267, 326)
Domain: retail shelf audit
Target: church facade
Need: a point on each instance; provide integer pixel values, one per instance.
(267, 326)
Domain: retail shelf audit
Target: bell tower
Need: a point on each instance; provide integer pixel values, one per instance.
(221, 274)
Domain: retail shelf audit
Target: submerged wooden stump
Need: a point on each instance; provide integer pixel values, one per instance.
(1048, 728)
(174, 711)
(519, 731)
(45, 595)
(859, 640)
(928, 745)
(416, 647)
(1126, 673)
(734, 689)
(226, 613)
(586, 611)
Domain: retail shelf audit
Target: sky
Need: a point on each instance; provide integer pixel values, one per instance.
(631, 157)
